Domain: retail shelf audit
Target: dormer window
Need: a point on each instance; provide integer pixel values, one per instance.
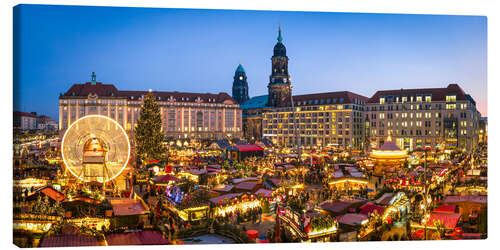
(451, 98)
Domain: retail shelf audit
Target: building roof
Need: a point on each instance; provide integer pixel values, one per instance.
(326, 98)
(438, 94)
(20, 113)
(146, 237)
(240, 68)
(255, 102)
(109, 90)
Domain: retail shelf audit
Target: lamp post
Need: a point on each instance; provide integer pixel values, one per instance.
(427, 200)
(298, 149)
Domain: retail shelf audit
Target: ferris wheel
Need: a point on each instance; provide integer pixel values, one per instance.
(95, 148)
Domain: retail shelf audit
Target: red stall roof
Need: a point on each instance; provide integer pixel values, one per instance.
(448, 219)
(68, 241)
(148, 237)
(248, 148)
(445, 209)
(166, 178)
(369, 208)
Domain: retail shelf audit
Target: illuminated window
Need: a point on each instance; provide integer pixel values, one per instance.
(419, 99)
(451, 106)
(428, 98)
(451, 98)
(382, 100)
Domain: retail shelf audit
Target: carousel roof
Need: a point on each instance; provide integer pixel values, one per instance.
(389, 146)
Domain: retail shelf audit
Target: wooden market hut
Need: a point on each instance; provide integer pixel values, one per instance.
(239, 152)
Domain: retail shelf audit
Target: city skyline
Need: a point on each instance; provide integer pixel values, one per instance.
(169, 49)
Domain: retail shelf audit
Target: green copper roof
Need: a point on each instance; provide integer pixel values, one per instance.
(93, 78)
(240, 69)
(279, 35)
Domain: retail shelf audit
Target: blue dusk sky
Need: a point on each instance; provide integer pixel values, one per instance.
(198, 51)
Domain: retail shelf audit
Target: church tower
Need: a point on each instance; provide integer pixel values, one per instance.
(279, 86)
(240, 85)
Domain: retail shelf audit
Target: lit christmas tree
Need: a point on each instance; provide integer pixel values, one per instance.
(148, 135)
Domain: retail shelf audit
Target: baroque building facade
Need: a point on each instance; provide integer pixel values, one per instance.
(184, 115)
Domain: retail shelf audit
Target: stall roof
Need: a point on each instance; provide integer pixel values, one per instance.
(385, 199)
(264, 192)
(275, 181)
(243, 148)
(351, 219)
(223, 188)
(126, 206)
(147, 237)
(48, 191)
(337, 206)
(68, 241)
(369, 208)
(166, 178)
(239, 180)
(445, 209)
(246, 185)
(466, 198)
(217, 199)
(448, 219)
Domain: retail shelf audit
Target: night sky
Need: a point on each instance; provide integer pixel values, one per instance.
(199, 50)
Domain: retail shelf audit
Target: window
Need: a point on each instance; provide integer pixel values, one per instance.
(419, 98)
(451, 106)
(382, 100)
(428, 98)
(451, 98)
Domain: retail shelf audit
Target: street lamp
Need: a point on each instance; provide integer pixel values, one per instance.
(426, 199)
(297, 147)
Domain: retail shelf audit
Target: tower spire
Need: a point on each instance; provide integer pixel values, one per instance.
(93, 78)
(280, 38)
